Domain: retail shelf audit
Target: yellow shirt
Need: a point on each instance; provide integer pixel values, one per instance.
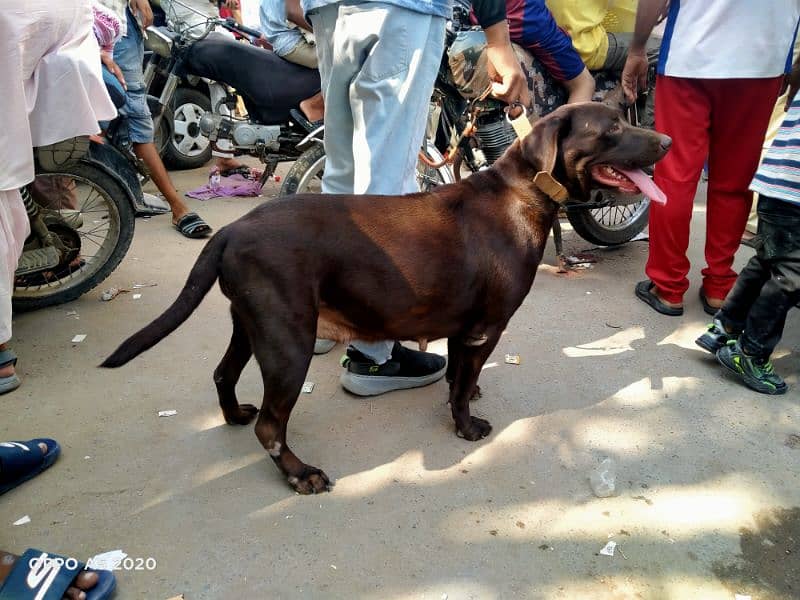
(582, 20)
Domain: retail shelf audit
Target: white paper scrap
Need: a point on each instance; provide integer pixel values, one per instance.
(23, 520)
(308, 387)
(79, 338)
(137, 296)
(608, 549)
(513, 359)
(167, 413)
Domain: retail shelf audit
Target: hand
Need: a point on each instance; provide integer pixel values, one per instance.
(145, 12)
(108, 61)
(793, 83)
(232, 4)
(634, 75)
(508, 81)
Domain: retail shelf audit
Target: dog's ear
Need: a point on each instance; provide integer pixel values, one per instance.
(540, 146)
(616, 99)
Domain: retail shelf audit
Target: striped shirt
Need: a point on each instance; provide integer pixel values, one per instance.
(779, 174)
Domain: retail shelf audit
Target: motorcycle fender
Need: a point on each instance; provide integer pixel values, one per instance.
(114, 163)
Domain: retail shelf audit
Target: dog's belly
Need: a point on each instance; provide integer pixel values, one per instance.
(333, 325)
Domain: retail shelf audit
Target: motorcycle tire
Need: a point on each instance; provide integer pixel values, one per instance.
(615, 225)
(105, 208)
(305, 175)
(186, 147)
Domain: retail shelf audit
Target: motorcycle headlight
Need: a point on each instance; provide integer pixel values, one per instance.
(158, 41)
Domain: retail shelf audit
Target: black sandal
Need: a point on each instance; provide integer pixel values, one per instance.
(193, 226)
(644, 291)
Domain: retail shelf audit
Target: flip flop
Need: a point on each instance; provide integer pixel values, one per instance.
(709, 310)
(21, 461)
(12, 382)
(45, 576)
(644, 291)
(193, 226)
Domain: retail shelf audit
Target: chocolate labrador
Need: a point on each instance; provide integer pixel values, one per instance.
(455, 263)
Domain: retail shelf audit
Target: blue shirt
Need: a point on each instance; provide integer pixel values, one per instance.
(437, 8)
(279, 32)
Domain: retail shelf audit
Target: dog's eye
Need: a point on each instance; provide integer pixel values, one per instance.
(615, 129)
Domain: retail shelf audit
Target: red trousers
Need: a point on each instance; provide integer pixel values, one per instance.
(723, 120)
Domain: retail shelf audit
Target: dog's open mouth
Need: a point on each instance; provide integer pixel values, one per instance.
(628, 181)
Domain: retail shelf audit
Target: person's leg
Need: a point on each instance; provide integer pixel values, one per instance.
(683, 113)
(304, 54)
(779, 248)
(739, 117)
(618, 44)
(14, 228)
(335, 75)
(129, 54)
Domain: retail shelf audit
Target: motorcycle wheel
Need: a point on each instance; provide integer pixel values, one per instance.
(187, 147)
(305, 175)
(105, 236)
(614, 225)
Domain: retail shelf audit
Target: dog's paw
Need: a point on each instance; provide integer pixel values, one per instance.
(478, 429)
(312, 481)
(245, 414)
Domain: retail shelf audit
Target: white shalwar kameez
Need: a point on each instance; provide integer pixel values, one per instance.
(51, 89)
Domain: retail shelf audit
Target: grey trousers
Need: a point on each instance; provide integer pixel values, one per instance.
(378, 64)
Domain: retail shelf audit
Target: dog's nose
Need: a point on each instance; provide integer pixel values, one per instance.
(666, 142)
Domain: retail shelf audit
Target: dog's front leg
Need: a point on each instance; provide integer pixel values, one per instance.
(465, 384)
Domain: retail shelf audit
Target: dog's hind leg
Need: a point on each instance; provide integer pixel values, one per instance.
(227, 373)
(465, 385)
(284, 355)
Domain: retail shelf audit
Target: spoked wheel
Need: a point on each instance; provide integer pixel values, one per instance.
(305, 176)
(610, 225)
(90, 214)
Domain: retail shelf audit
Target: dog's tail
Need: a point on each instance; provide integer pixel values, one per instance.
(201, 278)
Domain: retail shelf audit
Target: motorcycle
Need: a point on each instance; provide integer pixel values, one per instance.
(472, 132)
(273, 131)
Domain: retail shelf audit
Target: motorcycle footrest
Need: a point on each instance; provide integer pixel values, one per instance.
(38, 259)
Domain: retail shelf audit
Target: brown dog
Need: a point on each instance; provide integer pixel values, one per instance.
(453, 263)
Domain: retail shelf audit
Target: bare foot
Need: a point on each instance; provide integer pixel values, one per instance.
(8, 370)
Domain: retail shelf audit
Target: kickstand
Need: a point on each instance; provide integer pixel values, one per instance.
(559, 242)
(269, 170)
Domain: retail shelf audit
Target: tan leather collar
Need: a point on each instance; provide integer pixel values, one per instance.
(549, 185)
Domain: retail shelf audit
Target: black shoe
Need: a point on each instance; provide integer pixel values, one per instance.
(405, 369)
(716, 337)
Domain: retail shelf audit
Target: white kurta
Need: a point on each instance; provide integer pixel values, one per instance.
(51, 89)
(51, 82)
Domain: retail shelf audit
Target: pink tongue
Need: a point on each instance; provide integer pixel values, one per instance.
(645, 183)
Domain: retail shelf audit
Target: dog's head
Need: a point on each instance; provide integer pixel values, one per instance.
(590, 145)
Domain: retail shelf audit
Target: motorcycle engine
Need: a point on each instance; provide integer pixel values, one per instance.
(495, 135)
(244, 134)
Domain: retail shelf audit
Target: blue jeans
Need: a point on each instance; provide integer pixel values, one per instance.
(129, 55)
(378, 63)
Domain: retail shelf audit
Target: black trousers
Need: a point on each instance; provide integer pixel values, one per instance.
(769, 285)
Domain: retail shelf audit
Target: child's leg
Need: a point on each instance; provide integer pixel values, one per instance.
(745, 292)
(779, 248)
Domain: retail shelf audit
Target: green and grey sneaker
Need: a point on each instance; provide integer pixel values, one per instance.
(756, 373)
(716, 337)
